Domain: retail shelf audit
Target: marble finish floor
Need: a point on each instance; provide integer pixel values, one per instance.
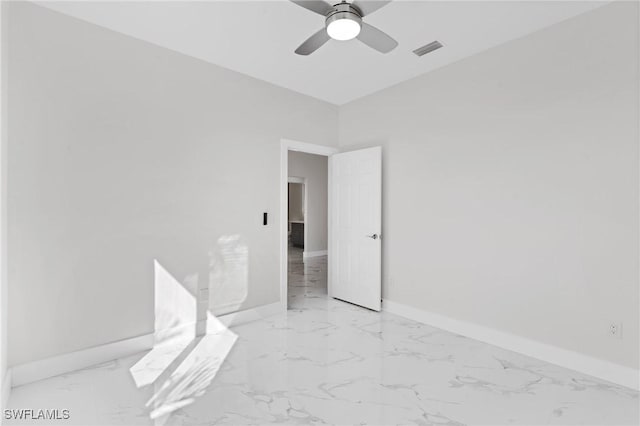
(329, 362)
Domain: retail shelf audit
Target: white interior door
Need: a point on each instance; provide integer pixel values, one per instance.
(356, 225)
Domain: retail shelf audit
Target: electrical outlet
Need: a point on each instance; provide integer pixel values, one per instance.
(615, 330)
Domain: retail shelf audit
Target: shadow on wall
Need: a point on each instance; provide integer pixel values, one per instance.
(190, 342)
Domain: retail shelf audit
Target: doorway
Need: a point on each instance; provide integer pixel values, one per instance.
(308, 234)
(305, 229)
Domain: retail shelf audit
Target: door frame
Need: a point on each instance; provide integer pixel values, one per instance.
(287, 145)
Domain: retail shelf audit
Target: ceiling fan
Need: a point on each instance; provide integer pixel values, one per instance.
(343, 21)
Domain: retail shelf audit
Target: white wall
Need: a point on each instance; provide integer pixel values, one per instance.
(511, 185)
(314, 169)
(122, 153)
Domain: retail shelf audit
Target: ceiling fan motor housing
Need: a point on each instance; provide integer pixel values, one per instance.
(344, 11)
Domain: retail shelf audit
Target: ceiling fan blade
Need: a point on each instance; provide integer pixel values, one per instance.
(376, 39)
(367, 7)
(317, 6)
(313, 43)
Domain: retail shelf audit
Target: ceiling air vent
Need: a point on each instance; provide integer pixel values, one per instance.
(434, 45)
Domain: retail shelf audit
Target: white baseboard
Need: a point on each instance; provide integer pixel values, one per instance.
(605, 370)
(49, 367)
(6, 389)
(65, 363)
(242, 317)
(306, 254)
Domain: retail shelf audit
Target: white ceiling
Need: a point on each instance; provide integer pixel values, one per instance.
(258, 38)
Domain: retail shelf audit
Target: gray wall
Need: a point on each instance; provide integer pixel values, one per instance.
(4, 317)
(122, 153)
(296, 201)
(314, 168)
(511, 185)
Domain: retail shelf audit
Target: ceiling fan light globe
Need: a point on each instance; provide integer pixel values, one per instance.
(343, 29)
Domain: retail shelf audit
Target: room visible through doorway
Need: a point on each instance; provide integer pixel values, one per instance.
(307, 228)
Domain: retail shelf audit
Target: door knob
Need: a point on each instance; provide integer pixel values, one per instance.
(374, 236)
